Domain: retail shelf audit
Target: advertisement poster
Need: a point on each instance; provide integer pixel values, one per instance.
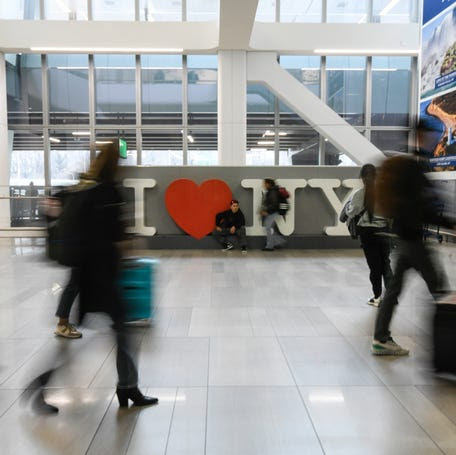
(438, 84)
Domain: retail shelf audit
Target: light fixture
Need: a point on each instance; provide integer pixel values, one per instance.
(272, 133)
(388, 7)
(93, 50)
(81, 133)
(53, 139)
(190, 138)
(326, 139)
(103, 142)
(265, 142)
(367, 51)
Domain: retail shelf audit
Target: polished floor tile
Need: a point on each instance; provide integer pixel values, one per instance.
(364, 420)
(326, 361)
(258, 421)
(247, 361)
(248, 355)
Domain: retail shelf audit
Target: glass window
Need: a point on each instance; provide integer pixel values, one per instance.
(162, 147)
(23, 87)
(334, 157)
(202, 10)
(20, 9)
(115, 92)
(298, 146)
(68, 88)
(391, 78)
(65, 10)
(260, 106)
(202, 147)
(70, 155)
(260, 147)
(352, 11)
(103, 136)
(387, 11)
(202, 89)
(266, 11)
(161, 78)
(306, 69)
(161, 10)
(109, 10)
(346, 80)
(27, 158)
(300, 10)
(391, 141)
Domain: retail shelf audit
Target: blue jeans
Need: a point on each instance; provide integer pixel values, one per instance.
(273, 239)
(68, 295)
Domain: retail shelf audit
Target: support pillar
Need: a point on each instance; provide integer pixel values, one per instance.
(5, 150)
(232, 107)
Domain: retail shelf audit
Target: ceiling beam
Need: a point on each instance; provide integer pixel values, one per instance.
(237, 18)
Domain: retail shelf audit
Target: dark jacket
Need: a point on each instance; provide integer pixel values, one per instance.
(418, 205)
(271, 200)
(228, 219)
(99, 272)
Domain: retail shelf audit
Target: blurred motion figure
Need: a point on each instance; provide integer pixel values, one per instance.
(405, 195)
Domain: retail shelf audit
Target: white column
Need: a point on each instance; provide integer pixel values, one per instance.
(5, 148)
(232, 107)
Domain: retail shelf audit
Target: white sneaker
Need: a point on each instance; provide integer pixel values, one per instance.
(390, 347)
(228, 246)
(67, 331)
(374, 301)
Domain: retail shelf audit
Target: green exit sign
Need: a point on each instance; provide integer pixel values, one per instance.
(122, 148)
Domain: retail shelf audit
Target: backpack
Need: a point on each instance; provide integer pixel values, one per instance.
(69, 235)
(352, 223)
(284, 205)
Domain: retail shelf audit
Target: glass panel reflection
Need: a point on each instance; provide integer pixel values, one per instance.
(70, 155)
(202, 89)
(161, 78)
(65, 10)
(115, 92)
(346, 79)
(23, 89)
(162, 147)
(68, 88)
(391, 78)
(109, 10)
(161, 10)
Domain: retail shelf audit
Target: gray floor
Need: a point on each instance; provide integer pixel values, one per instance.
(260, 354)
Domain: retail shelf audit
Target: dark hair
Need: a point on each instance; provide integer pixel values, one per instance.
(367, 174)
(270, 182)
(234, 201)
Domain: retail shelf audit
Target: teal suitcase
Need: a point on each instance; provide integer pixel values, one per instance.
(137, 288)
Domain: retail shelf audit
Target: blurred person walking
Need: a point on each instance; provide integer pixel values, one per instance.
(370, 228)
(98, 275)
(270, 213)
(405, 195)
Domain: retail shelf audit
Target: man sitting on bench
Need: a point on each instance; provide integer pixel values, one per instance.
(231, 222)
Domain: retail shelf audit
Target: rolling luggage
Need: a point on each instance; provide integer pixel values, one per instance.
(445, 334)
(137, 289)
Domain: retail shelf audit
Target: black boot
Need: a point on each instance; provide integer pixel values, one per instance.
(41, 407)
(135, 395)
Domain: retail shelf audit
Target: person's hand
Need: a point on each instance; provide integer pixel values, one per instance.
(232, 230)
(218, 228)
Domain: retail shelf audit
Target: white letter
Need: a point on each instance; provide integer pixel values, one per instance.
(285, 226)
(327, 186)
(139, 185)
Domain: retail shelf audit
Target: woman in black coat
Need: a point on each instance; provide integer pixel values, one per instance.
(99, 270)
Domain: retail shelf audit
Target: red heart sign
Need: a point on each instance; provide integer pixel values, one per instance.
(193, 207)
